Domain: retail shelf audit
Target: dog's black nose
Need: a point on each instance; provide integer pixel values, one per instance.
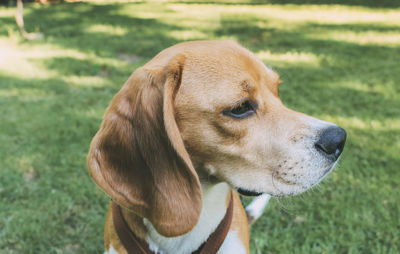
(331, 141)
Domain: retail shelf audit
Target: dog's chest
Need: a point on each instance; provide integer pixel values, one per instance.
(214, 209)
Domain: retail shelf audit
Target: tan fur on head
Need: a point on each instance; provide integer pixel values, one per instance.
(271, 151)
(138, 157)
(171, 123)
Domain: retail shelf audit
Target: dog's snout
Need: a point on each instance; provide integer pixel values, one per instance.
(331, 141)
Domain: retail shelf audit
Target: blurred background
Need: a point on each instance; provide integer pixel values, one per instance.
(339, 61)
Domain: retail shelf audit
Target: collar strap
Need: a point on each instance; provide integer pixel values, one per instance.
(134, 245)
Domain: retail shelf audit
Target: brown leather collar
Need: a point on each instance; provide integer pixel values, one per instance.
(133, 245)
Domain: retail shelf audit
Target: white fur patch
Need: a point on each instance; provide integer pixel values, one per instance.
(256, 208)
(232, 244)
(111, 251)
(214, 209)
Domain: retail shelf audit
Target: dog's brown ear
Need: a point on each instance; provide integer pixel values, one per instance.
(138, 156)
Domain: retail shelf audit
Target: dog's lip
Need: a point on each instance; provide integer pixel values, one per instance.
(327, 171)
(250, 193)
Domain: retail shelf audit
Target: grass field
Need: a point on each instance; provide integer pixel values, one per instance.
(339, 62)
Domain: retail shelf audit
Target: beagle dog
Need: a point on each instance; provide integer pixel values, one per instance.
(199, 123)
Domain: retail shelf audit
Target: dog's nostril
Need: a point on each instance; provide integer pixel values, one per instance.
(332, 141)
(337, 152)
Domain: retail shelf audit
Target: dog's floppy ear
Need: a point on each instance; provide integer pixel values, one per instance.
(138, 156)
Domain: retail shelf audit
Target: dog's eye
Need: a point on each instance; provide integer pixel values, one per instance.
(244, 109)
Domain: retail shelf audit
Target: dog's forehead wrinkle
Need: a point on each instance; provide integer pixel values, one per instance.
(247, 86)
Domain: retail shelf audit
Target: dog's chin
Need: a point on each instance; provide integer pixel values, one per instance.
(284, 190)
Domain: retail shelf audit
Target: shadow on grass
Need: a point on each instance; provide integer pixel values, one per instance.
(371, 27)
(70, 66)
(71, 25)
(42, 107)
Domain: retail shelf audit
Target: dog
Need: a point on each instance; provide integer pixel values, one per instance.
(187, 133)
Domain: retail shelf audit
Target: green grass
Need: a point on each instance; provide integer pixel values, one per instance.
(339, 62)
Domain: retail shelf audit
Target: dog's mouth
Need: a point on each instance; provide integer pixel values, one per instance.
(250, 193)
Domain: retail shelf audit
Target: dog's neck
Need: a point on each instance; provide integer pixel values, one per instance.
(215, 201)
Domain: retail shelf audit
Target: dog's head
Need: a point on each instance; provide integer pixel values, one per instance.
(208, 108)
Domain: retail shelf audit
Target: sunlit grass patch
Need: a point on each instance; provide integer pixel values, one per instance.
(188, 35)
(371, 124)
(288, 58)
(27, 93)
(361, 38)
(119, 31)
(20, 60)
(96, 81)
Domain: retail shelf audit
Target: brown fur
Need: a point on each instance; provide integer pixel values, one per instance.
(239, 223)
(110, 235)
(138, 157)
